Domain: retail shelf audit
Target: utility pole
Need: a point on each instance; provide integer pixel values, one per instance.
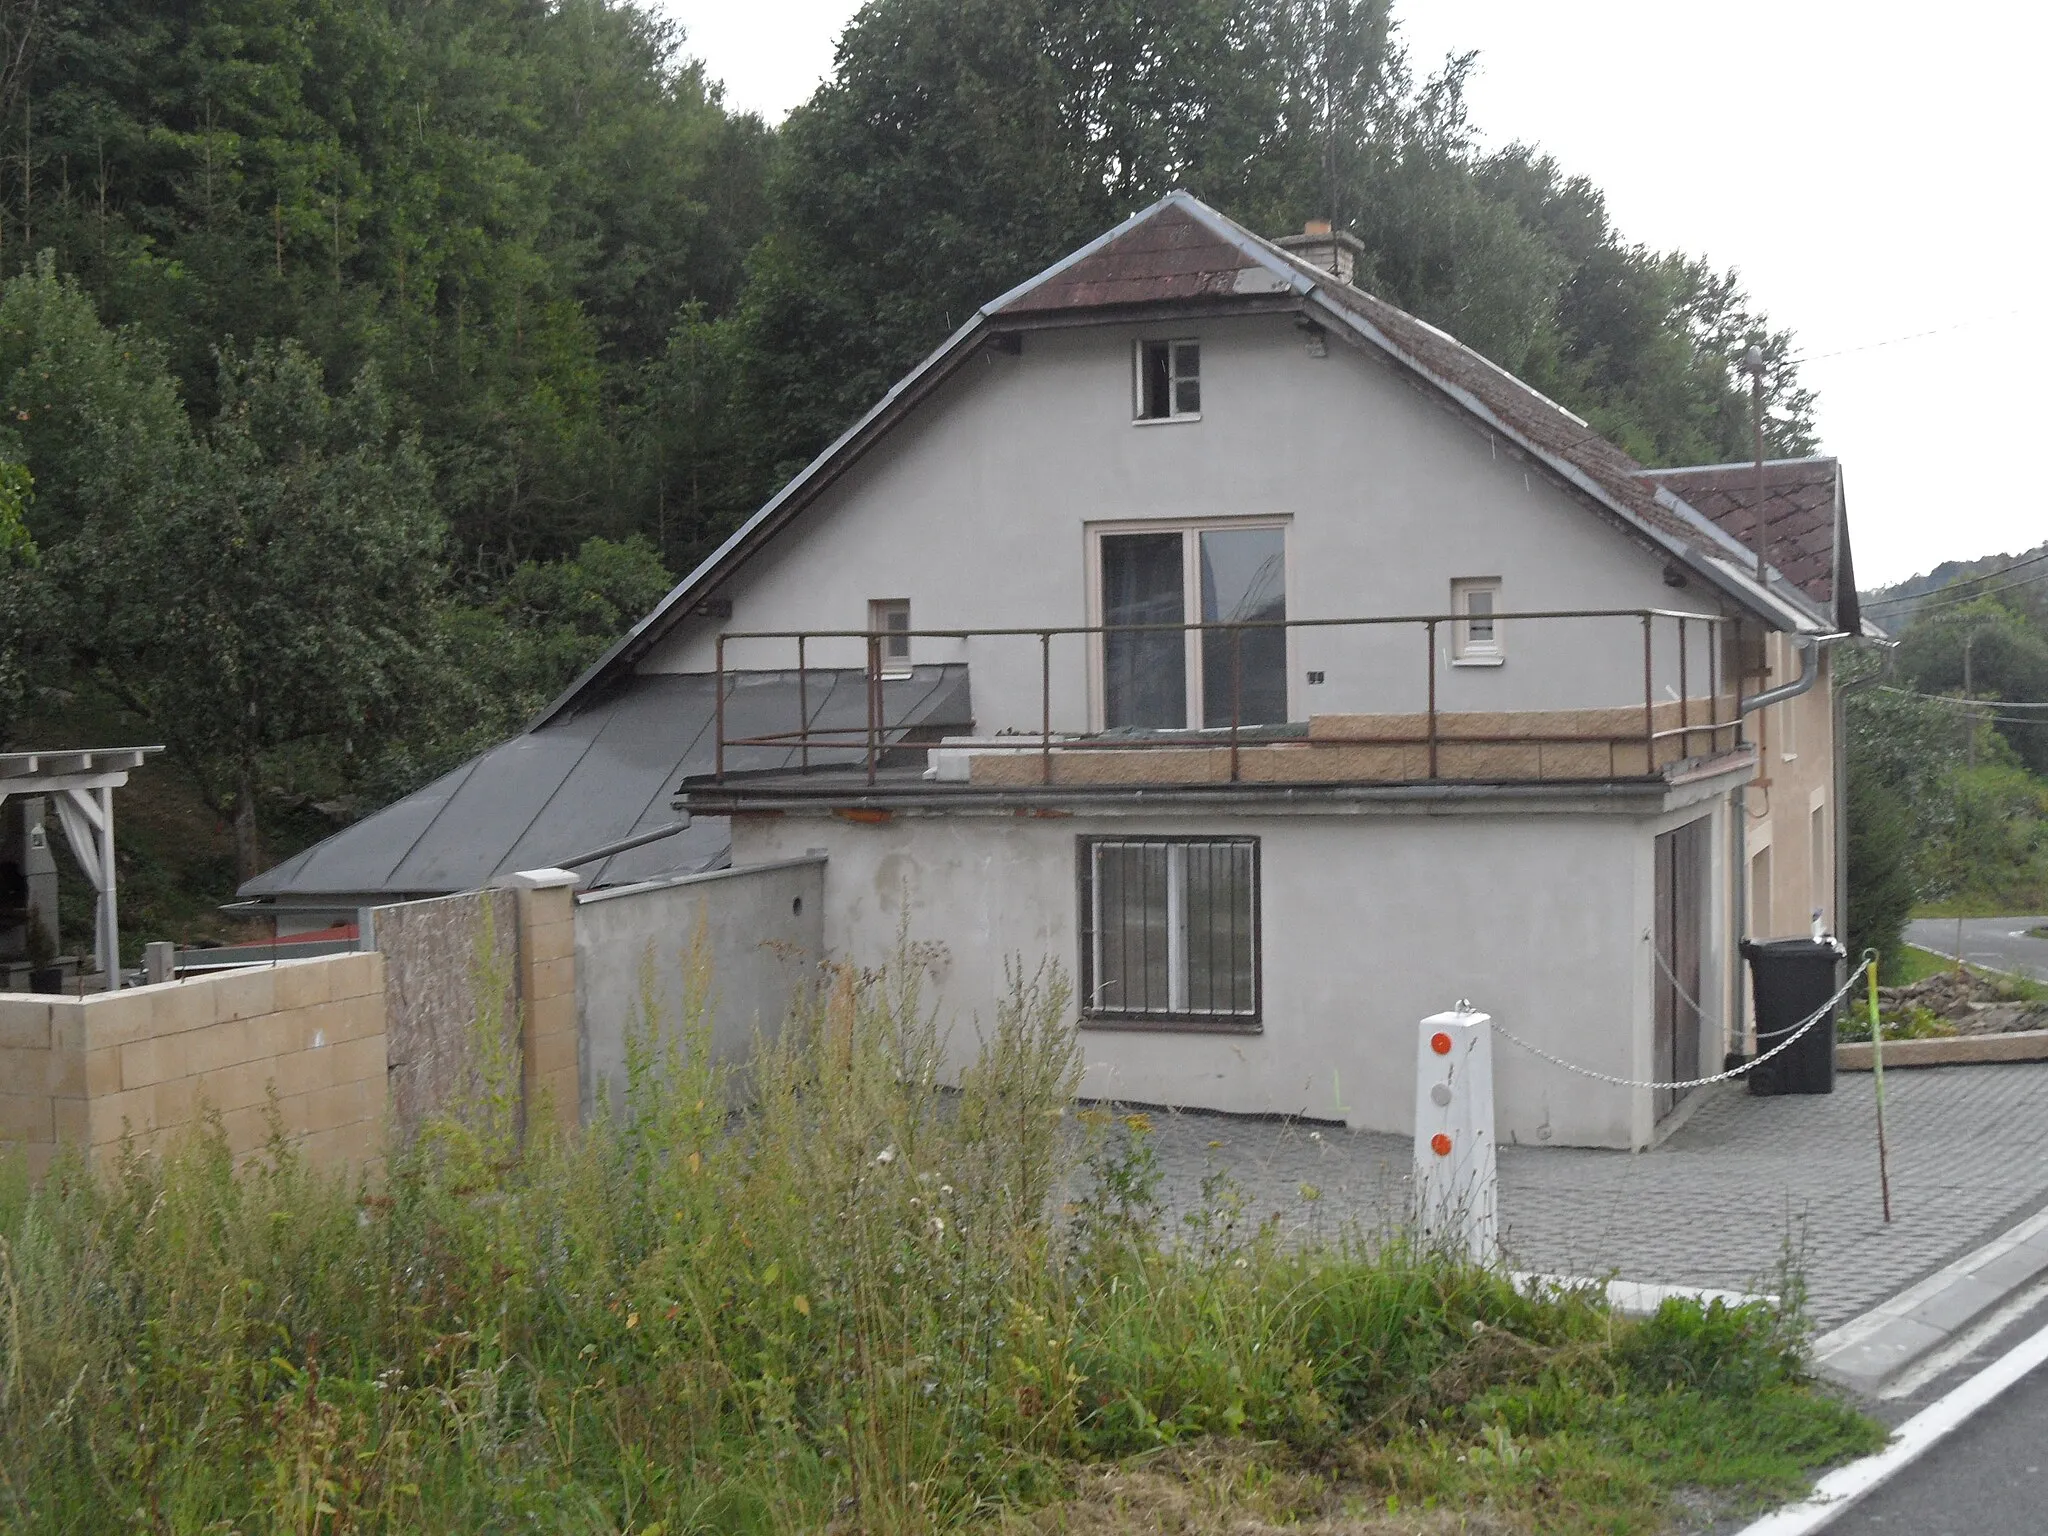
(1970, 692)
(1753, 365)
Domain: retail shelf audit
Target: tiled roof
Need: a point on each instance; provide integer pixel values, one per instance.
(1799, 500)
(1172, 255)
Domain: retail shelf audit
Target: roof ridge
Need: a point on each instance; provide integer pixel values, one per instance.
(1701, 469)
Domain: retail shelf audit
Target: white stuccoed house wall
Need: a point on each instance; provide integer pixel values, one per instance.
(977, 509)
(1356, 909)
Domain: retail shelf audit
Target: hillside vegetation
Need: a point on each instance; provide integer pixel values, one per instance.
(1948, 761)
(367, 366)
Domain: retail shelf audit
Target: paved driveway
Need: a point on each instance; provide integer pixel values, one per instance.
(1719, 1204)
(1999, 942)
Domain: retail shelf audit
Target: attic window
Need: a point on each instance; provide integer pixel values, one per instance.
(1475, 638)
(1169, 381)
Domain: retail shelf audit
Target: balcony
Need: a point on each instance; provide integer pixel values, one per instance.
(1610, 694)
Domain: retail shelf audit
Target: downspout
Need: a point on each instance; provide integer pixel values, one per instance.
(1809, 648)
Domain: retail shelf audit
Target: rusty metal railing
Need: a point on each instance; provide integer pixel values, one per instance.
(873, 736)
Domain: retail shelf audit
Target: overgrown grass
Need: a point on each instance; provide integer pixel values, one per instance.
(1910, 963)
(858, 1306)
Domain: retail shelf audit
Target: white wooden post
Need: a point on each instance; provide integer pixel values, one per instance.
(110, 912)
(1457, 1207)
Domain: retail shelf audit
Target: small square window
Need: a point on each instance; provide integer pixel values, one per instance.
(1169, 383)
(1476, 637)
(889, 619)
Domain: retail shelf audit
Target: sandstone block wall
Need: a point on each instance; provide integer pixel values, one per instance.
(149, 1061)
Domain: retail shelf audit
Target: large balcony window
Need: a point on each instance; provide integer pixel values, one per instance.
(1169, 679)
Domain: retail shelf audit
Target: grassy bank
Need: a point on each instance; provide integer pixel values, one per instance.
(868, 1305)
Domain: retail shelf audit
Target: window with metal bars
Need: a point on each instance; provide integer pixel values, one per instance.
(1170, 930)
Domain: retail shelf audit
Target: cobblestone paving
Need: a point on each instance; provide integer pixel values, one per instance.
(1718, 1204)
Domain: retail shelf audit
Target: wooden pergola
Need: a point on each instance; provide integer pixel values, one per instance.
(81, 785)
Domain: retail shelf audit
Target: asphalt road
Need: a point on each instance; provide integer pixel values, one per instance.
(1988, 1478)
(1998, 942)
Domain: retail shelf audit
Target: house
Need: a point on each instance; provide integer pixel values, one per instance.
(1276, 665)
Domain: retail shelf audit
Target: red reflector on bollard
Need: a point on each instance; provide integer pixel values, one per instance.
(1440, 1144)
(1440, 1043)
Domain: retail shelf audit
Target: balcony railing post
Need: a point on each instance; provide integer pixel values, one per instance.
(803, 707)
(1045, 706)
(718, 767)
(1431, 637)
(1649, 703)
(1684, 697)
(874, 699)
(1236, 692)
(1714, 684)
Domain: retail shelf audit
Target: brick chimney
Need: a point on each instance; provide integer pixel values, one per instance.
(1334, 251)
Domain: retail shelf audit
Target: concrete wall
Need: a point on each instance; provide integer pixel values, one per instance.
(1370, 922)
(149, 1060)
(978, 509)
(762, 931)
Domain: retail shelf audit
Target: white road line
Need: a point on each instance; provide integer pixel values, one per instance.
(1845, 1485)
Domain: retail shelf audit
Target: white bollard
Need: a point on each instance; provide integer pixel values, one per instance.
(1456, 1184)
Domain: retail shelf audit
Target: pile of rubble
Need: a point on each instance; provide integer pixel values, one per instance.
(1975, 1004)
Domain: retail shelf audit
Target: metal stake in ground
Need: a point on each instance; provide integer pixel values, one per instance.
(1884, 1176)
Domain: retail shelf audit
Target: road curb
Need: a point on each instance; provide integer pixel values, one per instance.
(1870, 1350)
(1951, 1051)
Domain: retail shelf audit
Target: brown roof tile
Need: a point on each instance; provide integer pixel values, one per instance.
(1799, 500)
(1172, 255)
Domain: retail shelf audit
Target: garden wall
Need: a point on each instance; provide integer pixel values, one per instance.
(342, 1041)
(146, 1061)
(762, 932)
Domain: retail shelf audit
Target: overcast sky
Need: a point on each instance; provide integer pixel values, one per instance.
(1873, 170)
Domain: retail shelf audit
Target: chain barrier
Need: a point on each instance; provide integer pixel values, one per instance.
(1824, 1011)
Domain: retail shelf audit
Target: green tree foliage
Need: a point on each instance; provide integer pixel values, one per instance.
(506, 656)
(960, 148)
(1987, 648)
(514, 261)
(285, 592)
(502, 203)
(1881, 887)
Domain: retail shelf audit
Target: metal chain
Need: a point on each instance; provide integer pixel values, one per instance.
(1751, 1065)
(1677, 985)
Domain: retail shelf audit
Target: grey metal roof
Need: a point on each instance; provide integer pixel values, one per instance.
(600, 775)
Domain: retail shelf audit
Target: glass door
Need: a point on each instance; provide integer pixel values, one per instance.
(1144, 672)
(1244, 579)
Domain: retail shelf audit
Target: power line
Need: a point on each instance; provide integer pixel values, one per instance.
(1954, 595)
(1962, 703)
(1893, 341)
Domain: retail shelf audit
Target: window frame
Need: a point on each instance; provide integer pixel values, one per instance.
(1190, 529)
(1465, 650)
(1140, 417)
(879, 611)
(1088, 935)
